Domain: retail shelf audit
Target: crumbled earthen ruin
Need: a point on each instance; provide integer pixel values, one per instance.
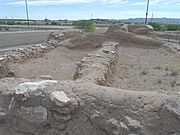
(109, 84)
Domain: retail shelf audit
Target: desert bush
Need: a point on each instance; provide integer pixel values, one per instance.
(86, 25)
(144, 72)
(173, 83)
(174, 72)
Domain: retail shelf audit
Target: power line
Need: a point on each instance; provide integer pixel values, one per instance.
(147, 9)
(27, 13)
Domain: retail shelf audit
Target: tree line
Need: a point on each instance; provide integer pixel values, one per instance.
(165, 27)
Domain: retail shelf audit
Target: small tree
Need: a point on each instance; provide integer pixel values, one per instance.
(86, 25)
(163, 28)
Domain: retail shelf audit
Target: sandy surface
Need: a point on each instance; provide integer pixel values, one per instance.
(146, 69)
(59, 64)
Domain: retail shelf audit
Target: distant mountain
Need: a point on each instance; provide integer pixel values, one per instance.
(160, 20)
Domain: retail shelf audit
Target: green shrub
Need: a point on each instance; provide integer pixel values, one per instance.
(173, 83)
(173, 27)
(11, 23)
(144, 72)
(54, 23)
(163, 28)
(156, 26)
(86, 25)
(174, 72)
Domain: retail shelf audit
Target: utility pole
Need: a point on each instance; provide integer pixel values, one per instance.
(27, 13)
(152, 18)
(46, 16)
(147, 9)
(91, 16)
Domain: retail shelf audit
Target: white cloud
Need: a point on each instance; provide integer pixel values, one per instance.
(48, 2)
(58, 2)
(138, 3)
(164, 2)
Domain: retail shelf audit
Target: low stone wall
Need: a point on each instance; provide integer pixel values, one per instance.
(80, 108)
(21, 55)
(98, 67)
(31, 108)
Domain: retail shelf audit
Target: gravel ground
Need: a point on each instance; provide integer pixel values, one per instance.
(146, 69)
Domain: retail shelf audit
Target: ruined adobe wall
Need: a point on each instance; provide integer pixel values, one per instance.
(99, 66)
(85, 41)
(119, 35)
(133, 27)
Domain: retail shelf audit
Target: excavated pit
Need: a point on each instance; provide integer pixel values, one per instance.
(146, 69)
(59, 64)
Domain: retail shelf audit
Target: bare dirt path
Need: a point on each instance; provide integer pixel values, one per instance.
(146, 69)
(59, 64)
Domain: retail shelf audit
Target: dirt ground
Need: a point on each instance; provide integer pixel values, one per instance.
(146, 69)
(59, 64)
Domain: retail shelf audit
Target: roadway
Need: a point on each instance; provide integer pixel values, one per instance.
(10, 39)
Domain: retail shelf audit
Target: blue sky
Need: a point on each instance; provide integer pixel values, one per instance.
(82, 9)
